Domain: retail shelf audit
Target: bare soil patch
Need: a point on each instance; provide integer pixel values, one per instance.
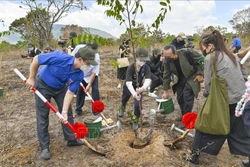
(18, 139)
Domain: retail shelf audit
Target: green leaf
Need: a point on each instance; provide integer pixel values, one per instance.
(133, 23)
(168, 1)
(163, 3)
(169, 7)
(141, 8)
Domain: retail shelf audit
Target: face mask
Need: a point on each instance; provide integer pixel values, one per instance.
(204, 52)
(140, 63)
(85, 68)
(181, 39)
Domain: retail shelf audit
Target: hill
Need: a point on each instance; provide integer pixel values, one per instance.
(13, 38)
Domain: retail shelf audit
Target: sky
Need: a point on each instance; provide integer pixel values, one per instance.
(185, 16)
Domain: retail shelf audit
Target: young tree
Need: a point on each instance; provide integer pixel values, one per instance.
(126, 11)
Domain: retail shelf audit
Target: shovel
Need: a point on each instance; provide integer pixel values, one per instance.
(80, 133)
(96, 104)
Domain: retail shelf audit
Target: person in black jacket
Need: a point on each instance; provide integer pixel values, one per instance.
(32, 51)
(155, 64)
(179, 41)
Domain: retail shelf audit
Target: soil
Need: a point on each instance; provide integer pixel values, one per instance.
(18, 139)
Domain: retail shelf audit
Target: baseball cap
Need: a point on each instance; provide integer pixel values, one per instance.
(156, 51)
(182, 34)
(87, 54)
(142, 53)
(49, 48)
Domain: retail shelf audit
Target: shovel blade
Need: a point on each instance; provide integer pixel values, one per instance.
(93, 148)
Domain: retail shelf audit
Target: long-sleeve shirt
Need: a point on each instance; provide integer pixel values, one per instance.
(227, 70)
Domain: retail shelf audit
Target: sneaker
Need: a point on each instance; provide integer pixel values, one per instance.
(152, 95)
(119, 86)
(75, 143)
(45, 154)
(245, 163)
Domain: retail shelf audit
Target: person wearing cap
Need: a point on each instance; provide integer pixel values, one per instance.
(90, 80)
(59, 80)
(179, 41)
(184, 63)
(155, 64)
(124, 51)
(130, 87)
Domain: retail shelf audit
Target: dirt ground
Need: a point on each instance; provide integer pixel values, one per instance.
(18, 139)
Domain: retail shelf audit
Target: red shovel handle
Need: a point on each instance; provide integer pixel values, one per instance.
(48, 104)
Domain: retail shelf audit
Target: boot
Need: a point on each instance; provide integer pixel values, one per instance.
(121, 111)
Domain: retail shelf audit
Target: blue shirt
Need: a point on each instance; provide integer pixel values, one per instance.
(59, 70)
(236, 42)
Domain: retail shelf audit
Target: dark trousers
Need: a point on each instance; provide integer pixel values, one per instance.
(237, 48)
(125, 98)
(185, 97)
(156, 81)
(238, 138)
(80, 96)
(42, 112)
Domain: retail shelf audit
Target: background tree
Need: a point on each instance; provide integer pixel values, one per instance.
(241, 22)
(43, 15)
(71, 28)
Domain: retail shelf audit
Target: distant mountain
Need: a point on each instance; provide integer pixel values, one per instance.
(57, 27)
(13, 38)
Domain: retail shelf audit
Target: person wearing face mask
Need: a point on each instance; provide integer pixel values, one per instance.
(155, 65)
(59, 79)
(184, 63)
(179, 41)
(124, 50)
(227, 67)
(90, 79)
(130, 87)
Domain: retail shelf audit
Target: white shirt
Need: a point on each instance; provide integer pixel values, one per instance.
(92, 69)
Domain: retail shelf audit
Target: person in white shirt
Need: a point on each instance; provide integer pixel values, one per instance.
(90, 79)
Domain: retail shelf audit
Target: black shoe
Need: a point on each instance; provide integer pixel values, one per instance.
(75, 143)
(78, 113)
(245, 163)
